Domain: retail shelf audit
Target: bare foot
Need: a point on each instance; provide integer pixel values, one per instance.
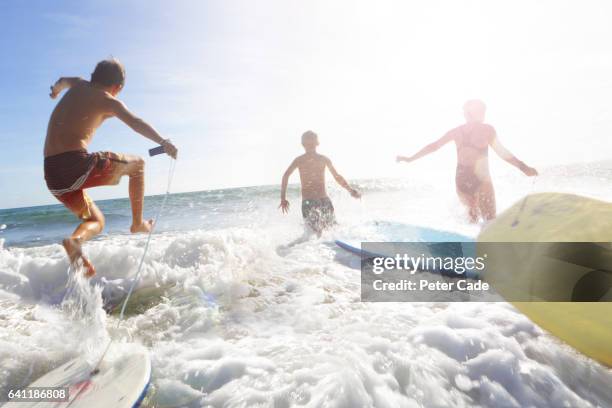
(145, 227)
(75, 253)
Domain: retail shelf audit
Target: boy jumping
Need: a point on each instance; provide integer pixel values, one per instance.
(317, 208)
(70, 169)
(472, 180)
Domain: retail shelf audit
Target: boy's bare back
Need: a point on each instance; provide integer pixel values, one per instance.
(312, 175)
(76, 117)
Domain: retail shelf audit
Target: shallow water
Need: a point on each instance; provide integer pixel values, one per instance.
(249, 325)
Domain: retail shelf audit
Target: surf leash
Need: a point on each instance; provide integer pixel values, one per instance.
(152, 152)
(146, 249)
(516, 221)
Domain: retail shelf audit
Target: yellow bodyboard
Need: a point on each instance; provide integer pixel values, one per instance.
(555, 217)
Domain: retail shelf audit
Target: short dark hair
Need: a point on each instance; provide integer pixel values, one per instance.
(109, 72)
(309, 134)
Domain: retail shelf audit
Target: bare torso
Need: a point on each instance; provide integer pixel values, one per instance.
(472, 141)
(312, 175)
(75, 119)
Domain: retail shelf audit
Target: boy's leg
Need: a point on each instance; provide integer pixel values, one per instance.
(486, 201)
(84, 232)
(327, 217)
(134, 169)
(93, 222)
(111, 167)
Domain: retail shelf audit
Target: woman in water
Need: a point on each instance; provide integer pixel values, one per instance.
(473, 180)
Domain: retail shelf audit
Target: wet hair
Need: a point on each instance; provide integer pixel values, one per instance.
(308, 135)
(475, 108)
(109, 72)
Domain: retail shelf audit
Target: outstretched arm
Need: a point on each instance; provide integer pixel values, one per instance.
(341, 180)
(430, 148)
(284, 204)
(510, 158)
(118, 109)
(63, 83)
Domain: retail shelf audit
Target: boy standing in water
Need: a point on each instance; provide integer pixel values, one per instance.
(317, 208)
(473, 181)
(70, 169)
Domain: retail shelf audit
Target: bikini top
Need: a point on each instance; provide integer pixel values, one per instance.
(467, 139)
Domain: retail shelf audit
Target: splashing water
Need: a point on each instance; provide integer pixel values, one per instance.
(244, 324)
(82, 305)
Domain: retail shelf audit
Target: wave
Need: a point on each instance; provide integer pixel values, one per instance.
(245, 325)
(235, 207)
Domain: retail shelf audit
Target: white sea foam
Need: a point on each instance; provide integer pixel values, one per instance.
(243, 325)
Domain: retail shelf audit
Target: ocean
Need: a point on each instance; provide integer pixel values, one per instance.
(248, 321)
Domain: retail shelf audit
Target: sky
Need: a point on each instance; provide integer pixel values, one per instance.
(235, 83)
